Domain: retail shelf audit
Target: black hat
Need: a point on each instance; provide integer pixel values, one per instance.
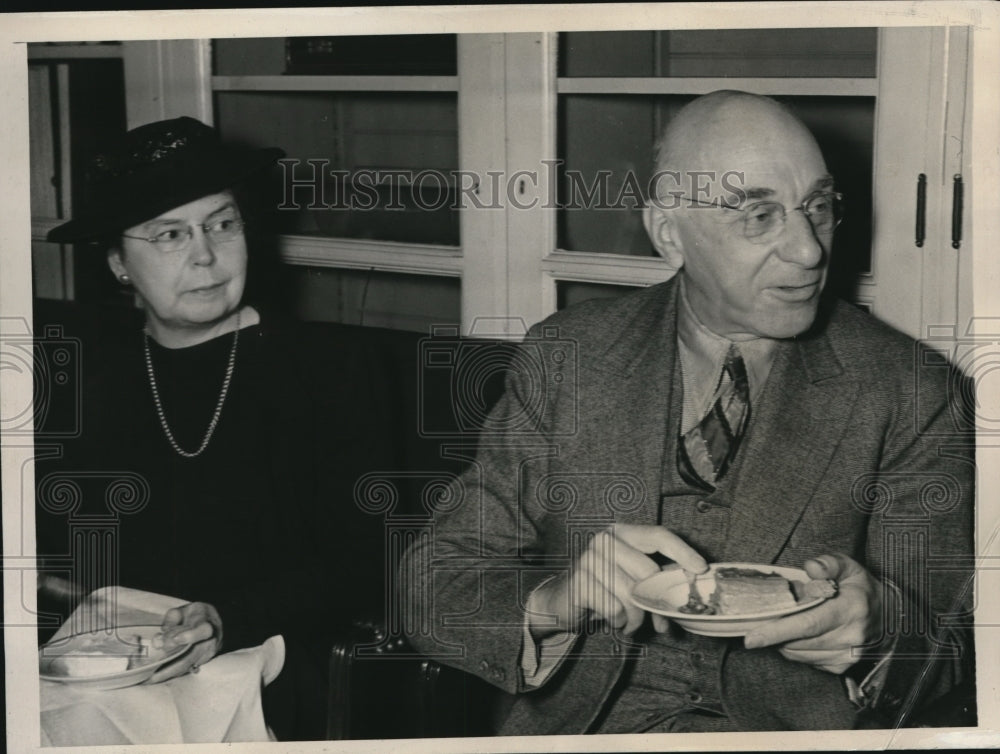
(155, 168)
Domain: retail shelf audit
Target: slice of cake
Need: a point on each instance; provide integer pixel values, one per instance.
(745, 590)
(100, 655)
(88, 664)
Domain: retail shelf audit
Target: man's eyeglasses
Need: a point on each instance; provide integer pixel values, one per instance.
(177, 238)
(763, 220)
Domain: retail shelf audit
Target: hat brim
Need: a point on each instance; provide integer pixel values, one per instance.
(144, 197)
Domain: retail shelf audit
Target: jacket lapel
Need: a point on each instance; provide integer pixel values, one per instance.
(638, 365)
(802, 417)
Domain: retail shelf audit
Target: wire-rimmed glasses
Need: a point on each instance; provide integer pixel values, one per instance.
(177, 237)
(763, 220)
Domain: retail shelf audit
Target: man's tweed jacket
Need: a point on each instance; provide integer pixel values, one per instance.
(853, 447)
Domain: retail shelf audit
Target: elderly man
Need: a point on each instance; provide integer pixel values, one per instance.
(732, 414)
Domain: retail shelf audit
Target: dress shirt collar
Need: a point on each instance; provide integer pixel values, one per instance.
(703, 353)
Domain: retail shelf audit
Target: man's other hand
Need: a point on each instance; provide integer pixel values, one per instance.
(601, 580)
(825, 635)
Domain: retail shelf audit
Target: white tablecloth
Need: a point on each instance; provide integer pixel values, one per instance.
(222, 702)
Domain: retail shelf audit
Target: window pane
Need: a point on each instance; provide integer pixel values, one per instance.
(570, 292)
(387, 54)
(845, 130)
(249, 57)
(82, 100)
(721, 52)
(606, 145)
(383, 163)
(376, 299)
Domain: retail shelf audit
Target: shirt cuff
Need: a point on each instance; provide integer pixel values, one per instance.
(867, 678)
(539, 659)
(864, 693)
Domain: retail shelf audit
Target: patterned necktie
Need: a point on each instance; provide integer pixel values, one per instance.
(705, 451)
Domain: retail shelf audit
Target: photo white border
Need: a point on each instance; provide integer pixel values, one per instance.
(15, 300)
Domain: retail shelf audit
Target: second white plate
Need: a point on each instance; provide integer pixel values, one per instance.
(117, 643)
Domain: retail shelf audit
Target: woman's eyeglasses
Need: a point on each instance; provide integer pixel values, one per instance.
(763, 220)
(177, 238)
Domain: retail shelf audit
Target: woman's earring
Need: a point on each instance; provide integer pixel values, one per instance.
(125, 279)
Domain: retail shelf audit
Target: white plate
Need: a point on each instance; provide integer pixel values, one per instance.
(665, 592)
(119, 642)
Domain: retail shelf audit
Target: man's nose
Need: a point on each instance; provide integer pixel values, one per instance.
(200, 251)
(799, 244)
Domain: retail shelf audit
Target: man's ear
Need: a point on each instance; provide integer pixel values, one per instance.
(115, 262)
(663, 233)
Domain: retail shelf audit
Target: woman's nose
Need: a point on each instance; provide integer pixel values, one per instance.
(201, 251)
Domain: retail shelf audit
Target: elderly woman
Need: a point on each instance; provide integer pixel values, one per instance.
(229, 418)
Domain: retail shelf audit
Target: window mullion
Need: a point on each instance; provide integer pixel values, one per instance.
(530, 180)
(482, 149)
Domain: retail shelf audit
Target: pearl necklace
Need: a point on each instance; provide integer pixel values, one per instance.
(218, 408)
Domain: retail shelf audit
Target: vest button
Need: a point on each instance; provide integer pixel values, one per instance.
(697, 656)
(694, 696)
(703, 506)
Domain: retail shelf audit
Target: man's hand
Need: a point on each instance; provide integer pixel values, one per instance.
(823, 636)
(196, 623)
(602, 579)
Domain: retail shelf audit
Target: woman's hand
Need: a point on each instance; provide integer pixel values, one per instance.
(196, 623)
(59, 588)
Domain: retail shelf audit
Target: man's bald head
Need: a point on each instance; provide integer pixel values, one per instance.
(718, 131)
